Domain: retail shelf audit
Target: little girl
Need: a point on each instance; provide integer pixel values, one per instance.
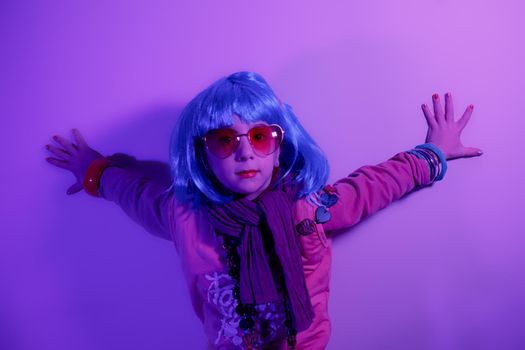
(249, 210)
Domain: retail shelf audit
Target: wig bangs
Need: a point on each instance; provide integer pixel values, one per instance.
(228, 100)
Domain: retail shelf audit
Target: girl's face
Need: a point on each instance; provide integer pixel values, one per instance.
(228, 170)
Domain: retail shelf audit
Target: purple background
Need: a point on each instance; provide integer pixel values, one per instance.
(439, 269)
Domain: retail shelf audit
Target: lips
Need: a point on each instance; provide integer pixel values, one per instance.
(246, 172)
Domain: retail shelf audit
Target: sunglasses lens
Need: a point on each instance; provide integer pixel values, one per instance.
(221, 142)
(265, 139)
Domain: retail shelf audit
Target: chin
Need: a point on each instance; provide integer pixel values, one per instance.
(248, 189)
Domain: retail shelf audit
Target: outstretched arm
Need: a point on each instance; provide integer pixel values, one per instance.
(143, 197)
(371, 188)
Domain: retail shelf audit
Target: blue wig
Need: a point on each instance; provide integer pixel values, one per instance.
(247, 95)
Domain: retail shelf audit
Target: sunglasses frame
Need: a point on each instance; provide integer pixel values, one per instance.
(238, 140)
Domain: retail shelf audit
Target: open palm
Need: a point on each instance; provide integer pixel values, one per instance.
(73, 157)
(444, 132)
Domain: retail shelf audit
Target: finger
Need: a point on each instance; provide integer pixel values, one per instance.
(76, 187)
(466, 117)
(449, 108)
(79, 138)
(438, 109)
(431, 121)
(59, 163)
(58, 151)
(473, 152)
(65, 143)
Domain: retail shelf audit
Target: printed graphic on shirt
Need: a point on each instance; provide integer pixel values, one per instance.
(220, 293)
(269, 318)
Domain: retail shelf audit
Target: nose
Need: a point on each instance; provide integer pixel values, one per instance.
(245, 150)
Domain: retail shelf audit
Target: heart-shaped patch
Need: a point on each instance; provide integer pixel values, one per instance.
(328, 199)
(321, 215)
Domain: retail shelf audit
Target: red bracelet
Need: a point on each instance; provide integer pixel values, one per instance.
(93, 174)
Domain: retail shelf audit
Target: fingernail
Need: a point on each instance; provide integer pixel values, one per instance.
(423, 106)
(435, 96)
(480, 152)
(447, 94)
(471, 106)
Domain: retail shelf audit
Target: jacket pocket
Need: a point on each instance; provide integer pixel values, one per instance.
(311, 235)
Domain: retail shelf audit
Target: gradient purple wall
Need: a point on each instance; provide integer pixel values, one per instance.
(439, 269)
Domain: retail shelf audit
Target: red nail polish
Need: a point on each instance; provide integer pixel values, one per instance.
(435, 96)
(471, 106)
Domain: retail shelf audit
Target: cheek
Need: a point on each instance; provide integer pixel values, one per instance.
(269, 164)
(220, 167)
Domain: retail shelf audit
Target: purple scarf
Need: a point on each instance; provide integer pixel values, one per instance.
(241, 219)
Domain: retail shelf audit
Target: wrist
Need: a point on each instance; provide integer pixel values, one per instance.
(91, 181)
(437, 148)
(442, 159)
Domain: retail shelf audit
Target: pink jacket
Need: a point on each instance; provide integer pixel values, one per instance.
(360, 194)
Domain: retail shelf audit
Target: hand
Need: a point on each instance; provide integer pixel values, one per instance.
(75, 158)
(444, 132)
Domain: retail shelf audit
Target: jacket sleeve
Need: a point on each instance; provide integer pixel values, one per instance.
(373, 187)
(143, 199)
